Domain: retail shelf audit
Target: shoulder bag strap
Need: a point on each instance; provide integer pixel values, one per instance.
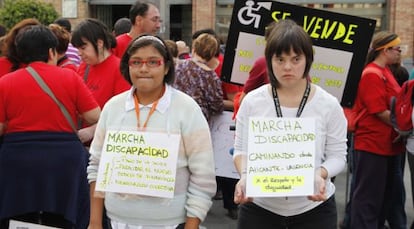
(46, 89)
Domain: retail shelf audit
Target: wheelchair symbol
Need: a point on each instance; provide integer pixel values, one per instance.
(248, 14)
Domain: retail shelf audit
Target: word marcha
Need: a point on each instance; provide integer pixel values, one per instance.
(123, 137)
(261, 126)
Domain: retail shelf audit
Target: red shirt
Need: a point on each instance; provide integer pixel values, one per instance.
(257, 75)
(374, 93)
(68, 63)
(122, 42)
(228, 88)
(104, 79)
(5, 66)
(24, 106)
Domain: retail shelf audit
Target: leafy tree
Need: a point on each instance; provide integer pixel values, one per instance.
(14, 11)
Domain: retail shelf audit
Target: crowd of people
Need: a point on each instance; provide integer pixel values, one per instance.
(63, 91)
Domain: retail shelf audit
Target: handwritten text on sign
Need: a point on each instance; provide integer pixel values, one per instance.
(136, 162)
(281, 157)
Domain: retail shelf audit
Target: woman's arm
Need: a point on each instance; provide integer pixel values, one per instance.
(97, 204)
(2, 127)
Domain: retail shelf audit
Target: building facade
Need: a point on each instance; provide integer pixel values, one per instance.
(183, 17)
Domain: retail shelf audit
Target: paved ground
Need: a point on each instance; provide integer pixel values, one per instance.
(217, 218)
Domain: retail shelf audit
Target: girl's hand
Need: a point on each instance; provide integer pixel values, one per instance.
(240, 192)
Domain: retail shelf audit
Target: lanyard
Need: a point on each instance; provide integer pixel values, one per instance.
(301, 105)
(153, 107)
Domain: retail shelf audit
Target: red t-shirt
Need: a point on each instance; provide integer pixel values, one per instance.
(228, 88)
(122, 42)
(374, 93)
(24, 106)
(257, 75)
(104, 79)
(69, 64)
(5, 66)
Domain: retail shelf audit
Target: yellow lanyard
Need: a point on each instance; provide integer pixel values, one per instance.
(153, 107)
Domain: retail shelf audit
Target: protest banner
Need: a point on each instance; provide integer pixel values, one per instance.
(280, 157)
(340, 42)
(135, 162)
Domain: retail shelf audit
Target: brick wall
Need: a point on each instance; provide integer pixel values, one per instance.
(204, 14)
(402, 23)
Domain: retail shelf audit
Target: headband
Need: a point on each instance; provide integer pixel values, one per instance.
(390, 44)
(151, 38)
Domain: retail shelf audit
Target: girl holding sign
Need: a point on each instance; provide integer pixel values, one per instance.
(289, 56)
(152, 106)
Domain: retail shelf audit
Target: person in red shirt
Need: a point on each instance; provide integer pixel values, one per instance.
(9, 62)
(145, 19)
(376, 143)
(42, 162)
(99, 67)
(100, 70)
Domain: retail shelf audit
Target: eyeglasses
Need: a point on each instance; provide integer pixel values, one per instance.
(396, 48)
(156, 19)
(151, 63)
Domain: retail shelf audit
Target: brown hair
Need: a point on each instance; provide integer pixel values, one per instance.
(8, 48)
(172, 46)
(379, 39)
(63, 37)
(206, 46)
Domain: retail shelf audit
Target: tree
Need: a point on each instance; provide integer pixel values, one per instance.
(14, 11)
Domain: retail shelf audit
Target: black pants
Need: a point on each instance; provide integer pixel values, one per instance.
(374, 176)
(227, 188)
(323, 216)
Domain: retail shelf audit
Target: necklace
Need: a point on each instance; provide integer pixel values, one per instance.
(152, 110)
(301, 105)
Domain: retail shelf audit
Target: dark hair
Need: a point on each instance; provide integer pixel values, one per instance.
(65, 23)
(201, 31)
(34, 42)
(121, 26)
(9, 45)
(93, 30)
(63, 37)
(399, 72)
(139, 8)
(159, 45)
(284, 37)
(379, 39)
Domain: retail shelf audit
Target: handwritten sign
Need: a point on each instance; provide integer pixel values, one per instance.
(136, 162)
(281, 157)
(340, 42)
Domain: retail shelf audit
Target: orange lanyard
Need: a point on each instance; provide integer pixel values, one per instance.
(153, 107)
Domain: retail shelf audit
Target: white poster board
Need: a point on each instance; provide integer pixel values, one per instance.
(14, 224)
(136, 162)
(281, 157)
(223, 140)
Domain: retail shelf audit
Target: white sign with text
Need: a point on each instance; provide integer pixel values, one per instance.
(135, 162)
(281, 157)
